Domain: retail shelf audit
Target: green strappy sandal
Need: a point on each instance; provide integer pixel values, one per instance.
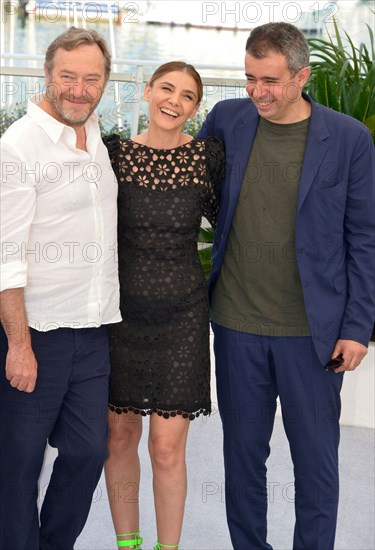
(133, 542)
(160, 546)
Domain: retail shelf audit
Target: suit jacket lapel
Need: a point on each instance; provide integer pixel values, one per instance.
(316, 148)
(244, 135)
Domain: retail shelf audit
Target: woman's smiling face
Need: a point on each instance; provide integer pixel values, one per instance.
(172, 98)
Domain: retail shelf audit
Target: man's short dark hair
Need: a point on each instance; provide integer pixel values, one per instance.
(282, 38)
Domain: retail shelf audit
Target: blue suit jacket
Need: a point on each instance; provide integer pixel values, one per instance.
(335, 222)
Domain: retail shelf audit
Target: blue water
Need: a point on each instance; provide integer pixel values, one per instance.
(137, 40)
(140, 41)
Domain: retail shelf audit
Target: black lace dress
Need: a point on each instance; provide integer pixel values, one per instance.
(160, 358)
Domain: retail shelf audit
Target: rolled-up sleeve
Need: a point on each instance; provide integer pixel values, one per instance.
(17, 209)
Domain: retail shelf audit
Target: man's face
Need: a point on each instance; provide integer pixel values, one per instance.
(274, 90)
(75, 84)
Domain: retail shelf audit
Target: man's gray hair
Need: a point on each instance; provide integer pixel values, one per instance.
(74, 37)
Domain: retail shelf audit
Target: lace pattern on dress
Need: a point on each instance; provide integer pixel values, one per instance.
(160, 358)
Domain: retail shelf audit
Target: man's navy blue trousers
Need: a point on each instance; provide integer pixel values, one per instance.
(252, 372)
(69, 409)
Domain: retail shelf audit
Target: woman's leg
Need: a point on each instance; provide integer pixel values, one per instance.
(122, 471)
(167, 446)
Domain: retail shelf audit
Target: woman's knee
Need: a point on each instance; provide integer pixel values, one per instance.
(167, 454)
(125, 431)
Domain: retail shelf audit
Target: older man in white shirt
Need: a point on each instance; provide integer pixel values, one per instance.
(59, 287)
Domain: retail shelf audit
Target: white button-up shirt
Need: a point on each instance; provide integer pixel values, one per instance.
(59, 223)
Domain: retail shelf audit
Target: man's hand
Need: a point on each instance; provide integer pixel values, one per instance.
(21, 368)
(353, 353)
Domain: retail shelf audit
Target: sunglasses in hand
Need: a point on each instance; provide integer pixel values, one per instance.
(335, 362)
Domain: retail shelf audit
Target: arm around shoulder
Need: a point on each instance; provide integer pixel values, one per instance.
(112, 142)
(215, 174)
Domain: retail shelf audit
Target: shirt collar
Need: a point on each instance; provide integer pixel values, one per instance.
(53, 128)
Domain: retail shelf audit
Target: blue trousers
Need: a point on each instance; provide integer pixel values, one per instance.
(69, 409)
(252, 371)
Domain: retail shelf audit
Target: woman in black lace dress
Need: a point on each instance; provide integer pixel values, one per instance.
(160, 356)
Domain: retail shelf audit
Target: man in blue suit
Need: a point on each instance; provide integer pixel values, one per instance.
(292, 290)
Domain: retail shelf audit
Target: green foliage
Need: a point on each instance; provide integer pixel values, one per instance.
(7, 117)
(205, 240)
(343, 77)
(125, 130)
(192, 126)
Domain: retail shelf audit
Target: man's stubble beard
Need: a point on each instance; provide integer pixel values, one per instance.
(68, 118)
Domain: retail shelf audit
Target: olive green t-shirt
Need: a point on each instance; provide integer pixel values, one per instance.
(259, 289)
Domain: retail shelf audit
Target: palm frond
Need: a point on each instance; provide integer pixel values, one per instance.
(343, 76)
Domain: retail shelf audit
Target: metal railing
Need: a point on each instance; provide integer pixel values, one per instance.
(137, 74)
